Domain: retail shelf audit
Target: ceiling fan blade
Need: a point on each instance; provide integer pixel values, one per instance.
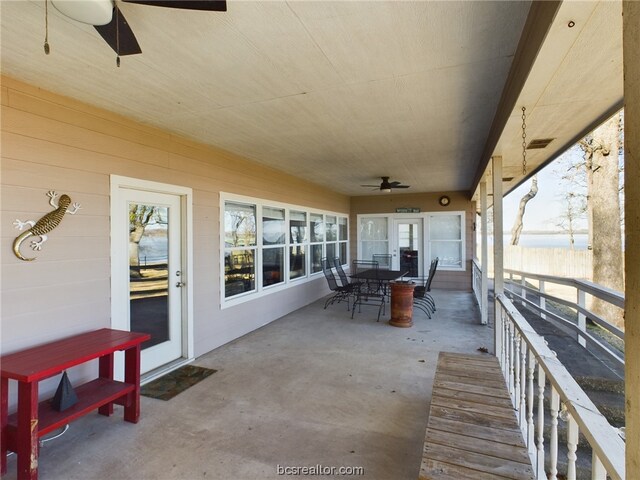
(209, 5)
(399, 186)
(121, 39)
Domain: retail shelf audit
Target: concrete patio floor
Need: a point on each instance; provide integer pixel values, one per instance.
(314, 387)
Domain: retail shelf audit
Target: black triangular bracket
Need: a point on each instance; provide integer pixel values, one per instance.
(65, 396)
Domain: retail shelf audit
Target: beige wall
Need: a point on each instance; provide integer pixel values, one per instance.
(631, 47)
(53, 142)
(426, 202)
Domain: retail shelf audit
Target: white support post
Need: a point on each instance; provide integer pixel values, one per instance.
(484, 256)
(582, 320)
(498, 248)
(523, 292)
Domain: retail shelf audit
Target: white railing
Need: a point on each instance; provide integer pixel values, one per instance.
(528, 365)
(476, 281)
(518, 286)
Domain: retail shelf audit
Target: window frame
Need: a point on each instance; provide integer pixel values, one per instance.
(260, 289)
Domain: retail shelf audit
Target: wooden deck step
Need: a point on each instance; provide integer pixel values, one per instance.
(472, 432)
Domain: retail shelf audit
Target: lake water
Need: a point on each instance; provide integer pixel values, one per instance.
(551, 240)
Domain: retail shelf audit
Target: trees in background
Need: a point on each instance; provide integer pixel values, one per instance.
(601, 163)
(518, 223)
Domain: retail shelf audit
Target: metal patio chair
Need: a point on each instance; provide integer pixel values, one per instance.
(422, 299)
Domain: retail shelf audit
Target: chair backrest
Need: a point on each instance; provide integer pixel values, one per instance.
(359, 266)
(328, 274)
(384, 260)
(432, 271)
(343, 276)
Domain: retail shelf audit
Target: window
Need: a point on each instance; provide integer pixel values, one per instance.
(269, 245)
(273, 245)
(331, 230)
(299, 244)
(446, 240)
(317, 241)
(343, 237)
(239, 248)
(374, 236)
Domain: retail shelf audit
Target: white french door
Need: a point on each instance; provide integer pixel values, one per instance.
(149, 281)
(407, 244)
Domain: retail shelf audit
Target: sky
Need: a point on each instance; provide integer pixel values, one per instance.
(544, 210)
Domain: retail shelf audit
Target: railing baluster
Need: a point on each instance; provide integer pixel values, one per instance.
(515, 397)
(523, 386)
(572, 446)
(598, 471)
(540, 443)
(530, 427)
(523, 350)
(553, 440)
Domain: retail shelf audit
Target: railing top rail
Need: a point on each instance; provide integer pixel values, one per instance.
(612, 296)
(593, 425)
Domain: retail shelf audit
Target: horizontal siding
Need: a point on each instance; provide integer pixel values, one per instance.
(50, 142)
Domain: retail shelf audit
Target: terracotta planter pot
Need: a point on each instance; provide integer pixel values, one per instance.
(402, 304)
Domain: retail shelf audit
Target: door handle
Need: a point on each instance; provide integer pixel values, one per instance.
(180, 284)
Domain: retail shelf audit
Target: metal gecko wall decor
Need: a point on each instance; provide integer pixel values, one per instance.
(45, 225)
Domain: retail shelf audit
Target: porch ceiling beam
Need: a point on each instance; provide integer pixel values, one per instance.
(539, 21)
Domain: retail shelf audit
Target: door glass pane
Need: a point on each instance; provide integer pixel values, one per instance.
(408, 247)
(148, 268)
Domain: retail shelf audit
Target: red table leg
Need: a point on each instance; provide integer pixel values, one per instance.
(4, 405)
(132, 375)
(27, 433)
(105, 370)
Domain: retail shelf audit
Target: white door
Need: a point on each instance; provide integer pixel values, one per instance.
(149, 285)
(407, 245)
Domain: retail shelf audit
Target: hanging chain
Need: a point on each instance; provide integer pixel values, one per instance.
(46, 27)
(524, 142)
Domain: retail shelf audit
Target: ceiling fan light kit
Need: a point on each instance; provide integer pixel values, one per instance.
(91, 12)
(108, 20)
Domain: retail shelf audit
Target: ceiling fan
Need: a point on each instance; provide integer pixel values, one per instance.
(386, 185)
(108, 20)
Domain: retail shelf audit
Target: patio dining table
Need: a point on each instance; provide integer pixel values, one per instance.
(401, 293)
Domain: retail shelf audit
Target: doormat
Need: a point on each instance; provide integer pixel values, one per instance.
(173, 383)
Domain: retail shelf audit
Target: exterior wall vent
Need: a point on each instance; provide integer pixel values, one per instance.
(507, 179)
(539, 143)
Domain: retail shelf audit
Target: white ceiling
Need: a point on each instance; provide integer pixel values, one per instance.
(339, 93)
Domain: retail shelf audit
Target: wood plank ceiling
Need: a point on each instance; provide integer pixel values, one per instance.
(338, 93)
